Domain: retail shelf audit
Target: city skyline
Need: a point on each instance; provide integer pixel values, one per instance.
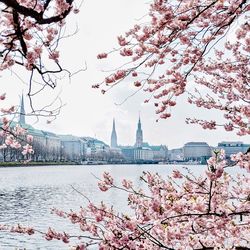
(67, 147)
(87, 111)
(139, 128)
(138, 135)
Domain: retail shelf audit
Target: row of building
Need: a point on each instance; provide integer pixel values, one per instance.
(141, 152)
(198, 152)
(201, 151)
(49, 146)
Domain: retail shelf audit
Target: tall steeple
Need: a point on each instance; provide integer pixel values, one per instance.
(22, 112)
(113, 143)
(139, 135)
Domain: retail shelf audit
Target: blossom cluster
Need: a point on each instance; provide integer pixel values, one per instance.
(185, 47)
(30, 34)
(13, 136)
(179, 212)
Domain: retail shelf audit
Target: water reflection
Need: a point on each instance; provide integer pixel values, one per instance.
(27, 195)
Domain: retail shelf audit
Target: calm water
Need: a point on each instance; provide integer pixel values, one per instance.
(28, 193)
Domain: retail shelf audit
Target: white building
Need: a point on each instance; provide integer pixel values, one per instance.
(53, 146)
(176, 154)
(72, 148)
(196, 151)
(143, 154)
(233, 147)
(94, 147)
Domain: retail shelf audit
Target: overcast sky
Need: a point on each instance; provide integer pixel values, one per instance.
(87, 111)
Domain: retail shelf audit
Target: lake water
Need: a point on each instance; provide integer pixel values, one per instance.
(27, 195)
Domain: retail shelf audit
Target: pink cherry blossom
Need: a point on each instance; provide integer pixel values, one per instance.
(27, 149)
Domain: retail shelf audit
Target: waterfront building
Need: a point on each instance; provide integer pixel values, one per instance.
(142, 151)
(128, 152)
(72, 148)
(176, 154)
(113, 143)
(46, 145)
(139, 135)
(160, 152)
(53, 146)
(38, 143)
(196, 151)
(233, 147)
(95, 148)
(143, 154)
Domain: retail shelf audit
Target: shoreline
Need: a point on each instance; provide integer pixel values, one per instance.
(34, 164)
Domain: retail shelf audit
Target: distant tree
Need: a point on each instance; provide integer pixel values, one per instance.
(114, 156)
(39, 150)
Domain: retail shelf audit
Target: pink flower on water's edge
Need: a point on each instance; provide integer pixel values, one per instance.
(5, 120)
(103, 187)
(177, 174)
(242, 160)
(127, 184)
(122, 41)
(8, 110)
(108, 179)
(18, 130)
(15, 144)
(22, 230)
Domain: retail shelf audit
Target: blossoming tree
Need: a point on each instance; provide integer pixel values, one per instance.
(30, 32)
(12, 136)
(187, 43)
(191, 47)
(30, 37)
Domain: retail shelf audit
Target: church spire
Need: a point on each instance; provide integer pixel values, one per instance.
(113, 143)
(139, 134)
(139, 122)
(22, 112)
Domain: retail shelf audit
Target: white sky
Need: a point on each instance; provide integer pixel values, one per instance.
(87, 111)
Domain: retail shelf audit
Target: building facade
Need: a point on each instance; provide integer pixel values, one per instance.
(72, 148)
(143, 154)
(233, 147)
(176, 154)
(160, 153)
(196, 151)
(142, 151)
(128, 153)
